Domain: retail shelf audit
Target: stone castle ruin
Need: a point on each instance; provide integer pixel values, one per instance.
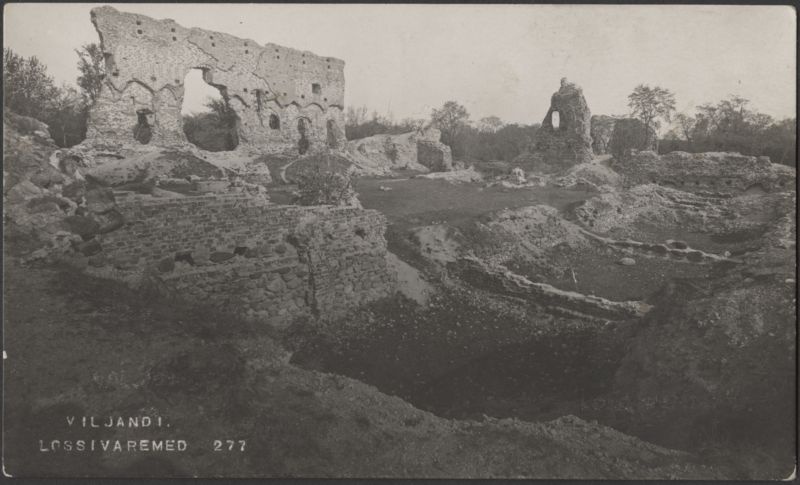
(220, 240)
(564, 139)
(283, 98)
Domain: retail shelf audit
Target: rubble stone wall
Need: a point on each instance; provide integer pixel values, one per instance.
(273, 89)
(434, 155)
(567, 142)
(708, 172)
(261, 260)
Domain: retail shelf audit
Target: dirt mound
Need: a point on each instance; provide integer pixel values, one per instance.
(594, 175)
(649, 212)
(715, 360)
(294, 422)
(650, 202)
(528, 233)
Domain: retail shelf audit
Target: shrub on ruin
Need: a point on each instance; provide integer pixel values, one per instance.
(320, 186)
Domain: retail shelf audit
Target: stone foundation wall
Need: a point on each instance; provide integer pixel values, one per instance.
(264, 261)
(708, 172)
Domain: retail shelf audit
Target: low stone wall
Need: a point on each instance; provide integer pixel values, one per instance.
(498, 279)
(261, 260)
(709, 172)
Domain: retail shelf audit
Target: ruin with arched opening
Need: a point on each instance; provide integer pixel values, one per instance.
(266, 86)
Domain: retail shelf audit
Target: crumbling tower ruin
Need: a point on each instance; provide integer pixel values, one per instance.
(284, 98)
(565, 137)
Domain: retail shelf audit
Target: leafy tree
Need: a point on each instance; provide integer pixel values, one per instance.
(27, 88)
(779, 141)
(355, 116)
(729, 125)
(215, 130)
(490, 124)
(451, 119)
(503, 145)
(357, 125)
(630, 134)
(91, 64)
(650, 106)
(412, 124)
(66, 117)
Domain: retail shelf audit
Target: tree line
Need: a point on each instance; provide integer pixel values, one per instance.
(728, 125)
(485, 140)
(30, 91)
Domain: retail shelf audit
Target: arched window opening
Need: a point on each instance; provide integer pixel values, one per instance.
(555, 120)
(274, 122)
(143, 132)
(209, 122)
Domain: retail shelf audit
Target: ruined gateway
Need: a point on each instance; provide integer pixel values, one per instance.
(284, 98)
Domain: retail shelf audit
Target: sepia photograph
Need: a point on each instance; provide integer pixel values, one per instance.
(405, 241)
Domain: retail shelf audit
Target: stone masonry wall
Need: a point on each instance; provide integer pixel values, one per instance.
(273, 89)
(556, 148)
(434, 155)
(708, 172)
(264, 261)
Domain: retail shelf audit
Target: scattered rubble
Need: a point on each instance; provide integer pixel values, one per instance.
(706, 173)
(417, 150)
(466, 175)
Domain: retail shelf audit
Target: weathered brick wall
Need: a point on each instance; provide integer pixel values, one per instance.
(147, 62)
(265, 261)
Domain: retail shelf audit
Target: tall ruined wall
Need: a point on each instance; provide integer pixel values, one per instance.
(273, 89)
(265, 261)
(558, 147)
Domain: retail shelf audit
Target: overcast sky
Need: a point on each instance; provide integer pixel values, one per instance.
(503, 60)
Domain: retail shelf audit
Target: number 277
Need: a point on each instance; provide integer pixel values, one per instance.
(229, 445)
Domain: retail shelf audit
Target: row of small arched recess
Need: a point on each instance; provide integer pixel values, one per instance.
(143, 131)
